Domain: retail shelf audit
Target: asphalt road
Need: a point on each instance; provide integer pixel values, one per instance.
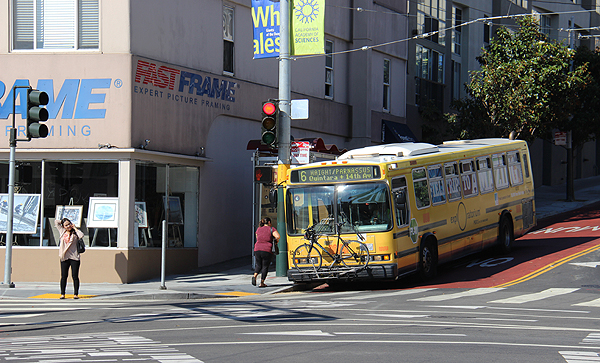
(540, 303)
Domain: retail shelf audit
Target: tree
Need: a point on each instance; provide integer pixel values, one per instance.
(585, 123)
(525, 85)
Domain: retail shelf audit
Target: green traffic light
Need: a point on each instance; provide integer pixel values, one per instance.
(35, 113)
(268, 137)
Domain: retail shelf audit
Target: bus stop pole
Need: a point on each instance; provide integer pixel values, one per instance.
(283, 154)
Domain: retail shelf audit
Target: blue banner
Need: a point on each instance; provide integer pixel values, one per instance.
(265, 23)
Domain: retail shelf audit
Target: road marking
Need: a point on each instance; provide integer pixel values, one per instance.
(386, 294)
(592, 338)
(398, 316)
(549, 267)
(595, 303)
(57, 296)
(467, 293)
(237, 293)
(580, 357)
(535, 296)
(586, 264)
(103, 347)
(314, 333)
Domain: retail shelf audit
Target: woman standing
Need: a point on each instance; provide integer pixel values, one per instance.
(266, 235)
(69, 257)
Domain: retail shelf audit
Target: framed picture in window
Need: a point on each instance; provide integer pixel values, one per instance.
(175, 212)
(26, 209)
(141, 217)
(103, 213)
(73, 212)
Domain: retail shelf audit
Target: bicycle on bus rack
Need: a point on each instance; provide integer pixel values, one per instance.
(349, 256)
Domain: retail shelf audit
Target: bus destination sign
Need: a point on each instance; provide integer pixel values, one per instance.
(335, 173)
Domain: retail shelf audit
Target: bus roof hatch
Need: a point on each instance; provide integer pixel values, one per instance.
(404, 149)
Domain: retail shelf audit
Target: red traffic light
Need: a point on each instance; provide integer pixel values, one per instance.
(269, 108)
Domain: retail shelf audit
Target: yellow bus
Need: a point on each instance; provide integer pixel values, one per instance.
(414, 205)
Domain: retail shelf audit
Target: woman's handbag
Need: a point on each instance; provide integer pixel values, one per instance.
(275, 246)
(80, 246)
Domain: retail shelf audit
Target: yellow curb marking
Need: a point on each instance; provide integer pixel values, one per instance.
(549, 267)
(237, 293)
(57, 296)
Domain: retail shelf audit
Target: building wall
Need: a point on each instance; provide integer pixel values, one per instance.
(99, 265)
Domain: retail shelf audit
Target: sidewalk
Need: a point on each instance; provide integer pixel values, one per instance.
(232, 278)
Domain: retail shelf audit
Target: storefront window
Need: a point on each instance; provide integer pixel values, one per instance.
(68, 185)
(150, 191)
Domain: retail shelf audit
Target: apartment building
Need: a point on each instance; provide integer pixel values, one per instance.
(152, 103)
(449, 35)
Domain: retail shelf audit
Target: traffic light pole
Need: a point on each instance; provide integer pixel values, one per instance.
(11, 196)
(284, 126)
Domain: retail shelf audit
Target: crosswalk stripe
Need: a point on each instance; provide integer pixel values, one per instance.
(580, 357)
(595, 303)
(535, 296)
(457, 295)
(386, 294)
(592, 338)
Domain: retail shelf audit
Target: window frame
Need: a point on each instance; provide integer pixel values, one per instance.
(35, 25)
(329, 69)
(387, 68)
(421, 180)
(452, 178)
(228, 40)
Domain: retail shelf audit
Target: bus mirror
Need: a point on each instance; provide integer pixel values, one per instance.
(399, 197)
(273, 195)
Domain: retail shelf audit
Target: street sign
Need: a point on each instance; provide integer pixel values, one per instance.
(560, 138)
(299, 110)
(300, 152)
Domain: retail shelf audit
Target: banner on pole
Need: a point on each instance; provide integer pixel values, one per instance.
(308, 27)
(265, 22)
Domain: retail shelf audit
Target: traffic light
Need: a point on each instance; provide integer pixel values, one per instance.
(35, 113)
(270, 110)
(263, 174)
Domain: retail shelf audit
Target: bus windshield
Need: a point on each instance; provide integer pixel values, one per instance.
(361, 207)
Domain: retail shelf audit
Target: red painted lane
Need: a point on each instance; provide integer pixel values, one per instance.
(552, 242)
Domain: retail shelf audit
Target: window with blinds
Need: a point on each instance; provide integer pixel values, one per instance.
(55, 24)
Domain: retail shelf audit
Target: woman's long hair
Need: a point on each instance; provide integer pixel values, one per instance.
(265, 221)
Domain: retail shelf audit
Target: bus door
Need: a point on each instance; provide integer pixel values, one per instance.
(406, 250)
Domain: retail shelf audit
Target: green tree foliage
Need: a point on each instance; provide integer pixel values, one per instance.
(585, 123)
(525, 85)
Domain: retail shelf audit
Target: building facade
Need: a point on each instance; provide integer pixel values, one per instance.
(152, 103)
(447, 36)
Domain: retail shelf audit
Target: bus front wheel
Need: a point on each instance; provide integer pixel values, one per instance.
(428, 259)
(505, 236)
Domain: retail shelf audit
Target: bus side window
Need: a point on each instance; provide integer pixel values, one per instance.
(526, 165)
(452, 181)
(468, 178)
(436, 184)
(500, 171)
(400, 197)
(421, 188)
(486, 180)
(514, 168)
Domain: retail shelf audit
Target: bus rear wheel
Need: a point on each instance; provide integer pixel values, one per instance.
(505, 236)
(428, 259)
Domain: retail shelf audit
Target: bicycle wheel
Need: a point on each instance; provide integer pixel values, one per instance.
(355, 253)
(307, 256)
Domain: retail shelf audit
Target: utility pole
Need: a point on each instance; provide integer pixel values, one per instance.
(283, 154)
(570, 175)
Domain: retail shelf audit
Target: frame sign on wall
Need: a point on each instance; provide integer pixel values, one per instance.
(103, 212)
(25, 213)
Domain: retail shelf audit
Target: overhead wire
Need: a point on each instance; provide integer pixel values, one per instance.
(486, 20)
